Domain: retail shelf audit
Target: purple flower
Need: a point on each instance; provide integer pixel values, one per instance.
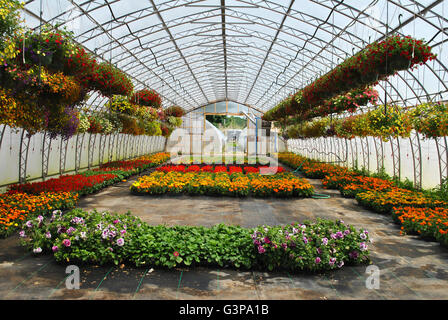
(324, 241)
(363, 236)
(123, 232)
(354, 255)
(40, 219)
(62, 230)
(317, 260)
(37, 250)
(48, 235)
(77, 220)
(333, 236)
(266, 240)
(22, 234)
(261, 250)
(332, 261)
(319, 250)
(305, 240)
(284, 246)
(116, 221)
(340, 264)
(339, 235)
(29, 224)
(346, 232)
(70, 230)
(363, 246)
(55, 248)
(120, 242)
(257, 243)
(67, 242)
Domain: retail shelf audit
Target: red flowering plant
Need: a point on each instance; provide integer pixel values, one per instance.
(376, 62)
(207, 168)
(166, 130)
(174, 111)
(70, 183)
(178, 168)
(220, 169)
(83, 67)
(147, 97)
(110, 81)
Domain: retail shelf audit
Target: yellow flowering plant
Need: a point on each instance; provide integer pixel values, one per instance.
(389, 122)
(9, 28)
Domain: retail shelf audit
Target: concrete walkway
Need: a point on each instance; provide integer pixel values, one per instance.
(410, 268)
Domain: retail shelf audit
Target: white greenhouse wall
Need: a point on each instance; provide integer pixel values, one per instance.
(363, 153)
(124, 147)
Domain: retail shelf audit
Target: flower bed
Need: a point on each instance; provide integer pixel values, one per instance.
(431, 223)
(222, 183)
(16, 207)
(350, 185)
(104, 238)
(91, 181)
(77, 183)
(383, 202)
(31, 199)
(230, 169)
(416, 212)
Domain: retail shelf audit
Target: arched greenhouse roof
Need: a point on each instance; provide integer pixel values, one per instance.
(253, 52)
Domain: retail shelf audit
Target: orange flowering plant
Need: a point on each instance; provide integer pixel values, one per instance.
(426, 222)
(384, 201)
(16, 207)
(223, 184)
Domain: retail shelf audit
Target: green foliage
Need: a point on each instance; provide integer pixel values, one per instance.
(104, 238)
(230, 122)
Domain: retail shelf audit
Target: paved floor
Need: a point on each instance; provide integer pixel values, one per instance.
(410, 268)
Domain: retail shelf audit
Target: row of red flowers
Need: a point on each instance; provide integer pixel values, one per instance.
(28, 200)
(71, 183)
(216, 169)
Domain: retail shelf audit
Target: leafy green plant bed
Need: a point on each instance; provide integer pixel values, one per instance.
(105, 238)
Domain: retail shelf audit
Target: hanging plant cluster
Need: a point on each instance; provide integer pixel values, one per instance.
(147, 97)
(47, 75)
(9, 28)
(376, 62)
(135, 119)
(429, 119)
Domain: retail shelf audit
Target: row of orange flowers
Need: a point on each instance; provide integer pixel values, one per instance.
(16, 207)
(26, 201)
(416, 212)
(223, 184)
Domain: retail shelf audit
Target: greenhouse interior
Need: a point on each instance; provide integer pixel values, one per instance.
(223, 150)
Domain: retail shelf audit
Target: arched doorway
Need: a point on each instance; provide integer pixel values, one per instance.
(226, 130)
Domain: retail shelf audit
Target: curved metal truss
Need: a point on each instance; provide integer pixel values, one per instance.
(250, 51)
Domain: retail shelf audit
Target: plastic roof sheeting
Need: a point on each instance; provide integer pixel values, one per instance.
(249, 51)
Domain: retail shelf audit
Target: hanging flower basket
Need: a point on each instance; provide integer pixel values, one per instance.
(147, 97)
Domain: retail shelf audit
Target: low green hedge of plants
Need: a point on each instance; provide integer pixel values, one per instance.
(104, 238)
